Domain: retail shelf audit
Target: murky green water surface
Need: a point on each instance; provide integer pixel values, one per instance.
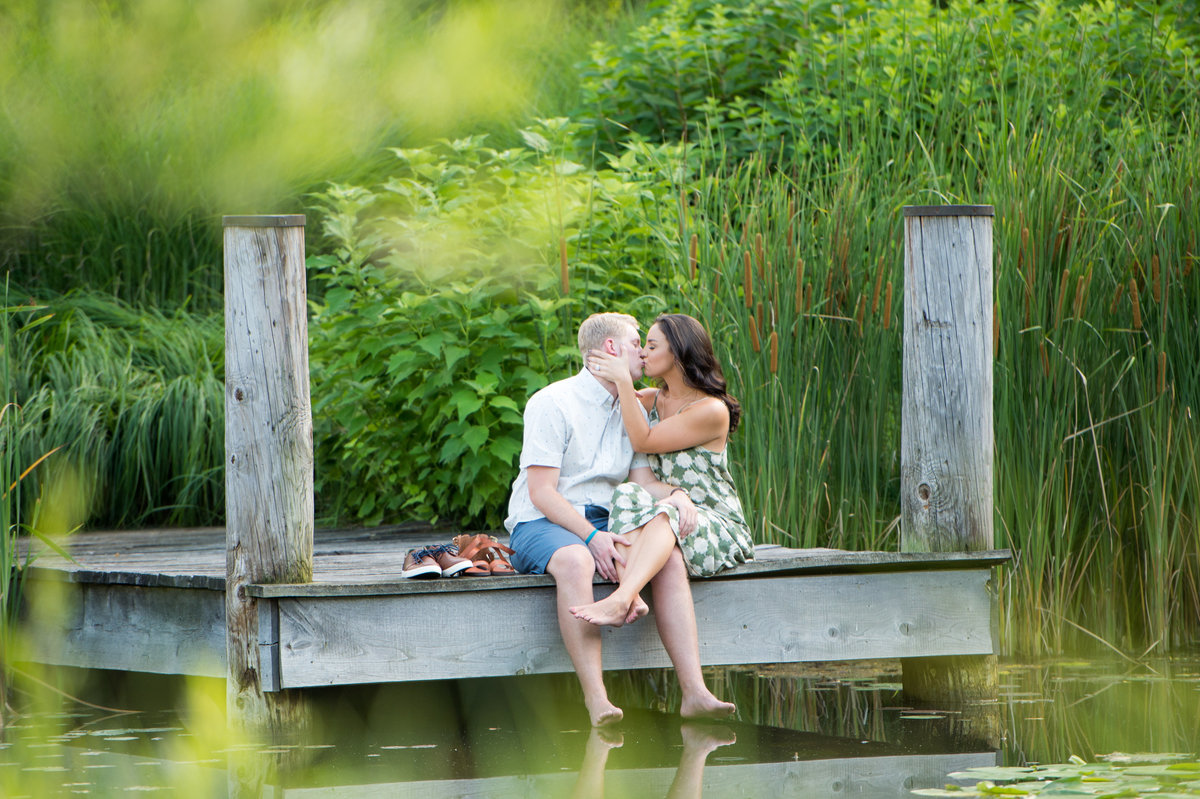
(846, 732)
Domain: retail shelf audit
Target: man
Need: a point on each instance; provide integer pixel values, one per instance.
(575, 453)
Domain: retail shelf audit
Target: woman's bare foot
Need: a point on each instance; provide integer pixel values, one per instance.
(704, 738)
(706, 706)
(603, 713)
(608, 612)
(637, 610)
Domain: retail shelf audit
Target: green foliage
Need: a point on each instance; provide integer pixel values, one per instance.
(134, 399)
(772, 75)
(443, 308)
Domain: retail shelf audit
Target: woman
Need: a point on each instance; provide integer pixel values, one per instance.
(691, 419)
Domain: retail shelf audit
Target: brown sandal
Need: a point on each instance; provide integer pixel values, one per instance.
(485, 552)
(466, 546)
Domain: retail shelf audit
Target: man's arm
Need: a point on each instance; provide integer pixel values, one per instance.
(543, 492)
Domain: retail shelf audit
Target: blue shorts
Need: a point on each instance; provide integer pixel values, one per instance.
(534, 542)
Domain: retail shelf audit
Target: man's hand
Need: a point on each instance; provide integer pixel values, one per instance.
(603, 547)
(687, 511)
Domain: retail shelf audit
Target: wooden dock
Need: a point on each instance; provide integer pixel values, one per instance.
(153, 601)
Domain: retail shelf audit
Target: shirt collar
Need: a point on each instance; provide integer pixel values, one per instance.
(593, 390)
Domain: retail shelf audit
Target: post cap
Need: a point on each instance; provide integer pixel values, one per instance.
(264, 220)
(949, 210)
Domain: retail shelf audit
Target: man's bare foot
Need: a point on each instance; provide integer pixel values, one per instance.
(637, 610)
(706, 706)
(608, 612)
(699, 737)
(606, 716)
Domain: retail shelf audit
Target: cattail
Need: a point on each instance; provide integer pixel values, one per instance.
(878, 287)
(1162, 371)
(1154, 277)
(860, 309)
(799, 283)
(1045, 358)
(1079, 289)
(774, 345)
(828, 283)
(1112, 308)
(887, 306)
(683, 204)
(564, 276)
(995, 329)
(1062, 295)
(754, 342)
(759, 256)
(807, 297)
(747, 278)
(758, 314)
(745, 232)
(717, 285)
(725, 227)
(693, 248)
(1137, 306)
(844, 250)
(791, 234)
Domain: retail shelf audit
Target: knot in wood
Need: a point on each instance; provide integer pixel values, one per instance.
(923, 491)
(238, 394)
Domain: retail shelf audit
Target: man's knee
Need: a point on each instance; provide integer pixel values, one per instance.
(572, 564)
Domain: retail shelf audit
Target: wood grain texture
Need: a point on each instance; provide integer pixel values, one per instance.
(328, 641)
(946, 419)
(268, 442)
(128, 628)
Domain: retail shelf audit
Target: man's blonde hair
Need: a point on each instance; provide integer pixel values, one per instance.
(600, 326)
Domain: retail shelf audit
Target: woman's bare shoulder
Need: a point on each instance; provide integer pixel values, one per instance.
(647, 396)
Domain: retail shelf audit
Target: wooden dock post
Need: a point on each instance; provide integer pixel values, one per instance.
(268, 454)
(946, 420)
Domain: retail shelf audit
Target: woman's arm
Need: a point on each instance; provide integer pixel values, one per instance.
(703, 423)
(667, 494)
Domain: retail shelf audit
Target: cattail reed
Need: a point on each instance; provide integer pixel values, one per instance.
(758, 314)
(828, 284)
(799, 283)
(1045, 358)
(1162, 371)
(995, 329)
(693, 249)
(1080, 287)
(807, 297)
(860, 310)
(1062, 296)
(1120, 292)
(754, 342)
(1154, 277)
(563, 274)
(887, 306)
(747, 280)
(1137, 306)
(878, 287)
(774, 347)
(759, 255)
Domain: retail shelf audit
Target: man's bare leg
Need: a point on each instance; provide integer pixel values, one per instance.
(573, 569)
(643, 561)
(675, 614)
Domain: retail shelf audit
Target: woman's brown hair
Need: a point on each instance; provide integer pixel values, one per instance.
(693, 351)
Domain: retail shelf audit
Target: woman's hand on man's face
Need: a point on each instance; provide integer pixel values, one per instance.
(612, 368)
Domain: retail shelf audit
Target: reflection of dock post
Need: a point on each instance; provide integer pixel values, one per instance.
(268, 456)
(946, 419)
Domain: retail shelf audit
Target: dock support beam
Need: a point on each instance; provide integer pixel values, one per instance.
(268, 454)
(947, 439)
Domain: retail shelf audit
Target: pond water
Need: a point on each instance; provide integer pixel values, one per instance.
(834, 731)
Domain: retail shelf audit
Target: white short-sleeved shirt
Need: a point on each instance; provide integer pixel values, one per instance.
(574, 425)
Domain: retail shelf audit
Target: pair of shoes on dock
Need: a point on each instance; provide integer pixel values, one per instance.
(470, 555)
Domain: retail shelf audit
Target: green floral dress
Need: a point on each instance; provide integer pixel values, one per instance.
(722, 539)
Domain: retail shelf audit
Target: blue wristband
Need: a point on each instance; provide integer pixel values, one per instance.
(588, 540)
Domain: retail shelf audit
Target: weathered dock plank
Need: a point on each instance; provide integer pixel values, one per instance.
(152, 601)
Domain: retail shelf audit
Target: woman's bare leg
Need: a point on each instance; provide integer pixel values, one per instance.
(644, 559)
(640, 608)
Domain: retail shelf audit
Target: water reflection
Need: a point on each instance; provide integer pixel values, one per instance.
(799, 734)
